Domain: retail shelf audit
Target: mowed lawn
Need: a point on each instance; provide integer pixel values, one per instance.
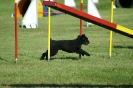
(66, 69)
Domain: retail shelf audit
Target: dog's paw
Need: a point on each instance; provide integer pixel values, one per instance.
(88, 55)
(41, 58)
(82, 54)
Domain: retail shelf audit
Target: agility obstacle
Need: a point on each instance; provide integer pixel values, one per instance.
(16, 31)
(23, 5)
(124, 3)
(80, 32)
(111, 33)
(49, 25)
(70, 3)
(95, 20)
(92, 10)
(45, 12)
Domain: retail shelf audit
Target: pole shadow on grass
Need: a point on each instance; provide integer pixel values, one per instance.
(128, 47)
(68, 85)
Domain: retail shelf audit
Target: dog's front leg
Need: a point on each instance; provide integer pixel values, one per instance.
(82, 52)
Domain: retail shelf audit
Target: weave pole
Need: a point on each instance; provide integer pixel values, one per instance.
(111, 20)
(81, 9)
(49, 18)
(16, 31)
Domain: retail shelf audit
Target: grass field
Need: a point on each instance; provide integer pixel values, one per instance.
(65, 69)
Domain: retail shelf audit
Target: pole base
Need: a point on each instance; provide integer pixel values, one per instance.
(16, 60)
(109, 57)
(48, 58)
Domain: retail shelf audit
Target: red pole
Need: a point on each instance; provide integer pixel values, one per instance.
(16, 31)
(81, 9)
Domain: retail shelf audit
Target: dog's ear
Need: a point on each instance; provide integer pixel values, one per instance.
(83, 37)
(83, 34)
(78, 36)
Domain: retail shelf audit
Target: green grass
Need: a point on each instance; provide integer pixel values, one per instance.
(65, 69)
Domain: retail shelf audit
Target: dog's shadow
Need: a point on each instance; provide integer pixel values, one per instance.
(62, 58)
(2, 59)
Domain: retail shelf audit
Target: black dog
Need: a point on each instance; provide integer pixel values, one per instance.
(71, 46)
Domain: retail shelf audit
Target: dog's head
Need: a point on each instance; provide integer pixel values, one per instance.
(84, 39)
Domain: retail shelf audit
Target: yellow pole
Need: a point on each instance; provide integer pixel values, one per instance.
(111, 20)
(82, 1)
(49, 33)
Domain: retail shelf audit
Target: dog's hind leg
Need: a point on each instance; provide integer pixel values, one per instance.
(52, 53)
(42, 57)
